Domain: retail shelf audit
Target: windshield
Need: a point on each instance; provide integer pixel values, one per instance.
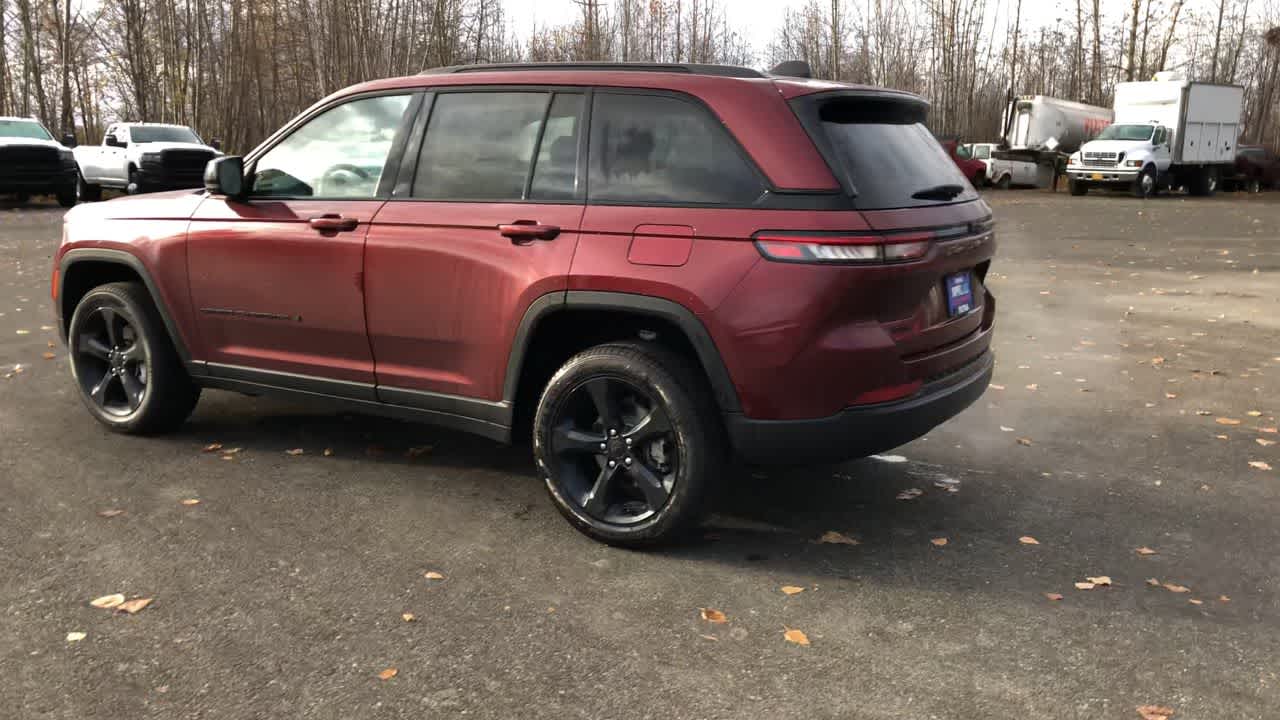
(24, 129)
(162, 133)
(982, 152)
(887, 155)
(1126, 132)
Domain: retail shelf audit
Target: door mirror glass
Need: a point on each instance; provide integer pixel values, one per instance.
(69, 140)
(112, 141)
(225, 176)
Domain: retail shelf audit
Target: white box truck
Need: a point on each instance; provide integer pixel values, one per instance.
(1168, 133)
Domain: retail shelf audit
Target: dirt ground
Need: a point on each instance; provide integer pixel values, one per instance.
(1134, 407)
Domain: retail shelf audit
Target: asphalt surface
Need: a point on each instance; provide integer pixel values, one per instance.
(281, 593)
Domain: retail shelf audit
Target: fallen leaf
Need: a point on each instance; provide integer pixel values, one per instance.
(48, 356)
(295, 451)
(211, 447)
(1053, 596)
(910, 494)
(1033, 386)
(232, 451)
(76, 636)
(1226, 421)
(23, 332)
(190, 501)
(1084, 586)
(1268, 430)
(134, 606)
(831, 537)
(1175, 588)
(1203, 412)
(1153, 582)
(714, 616)
(1265, 442)
(419, 451)
(433, 575)
(110, 513)
(1194, 601)
(1028, 540)
(994, 386)
(1222, 437)
(408, 617)
(328, 452)
(1005, 429)
(712, 638)
(1224, 598)
(388, 674)
(940, 542)
(1144, 550)
(1100, 581)
(1157, 361)
(796, 636)
(792, 589)
(1259, 465)
(106, 602)
(1171, 396)
(1254, 413)
(1155, 712)
(1024, 441)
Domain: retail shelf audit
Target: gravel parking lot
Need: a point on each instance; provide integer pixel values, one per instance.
(1135, 407)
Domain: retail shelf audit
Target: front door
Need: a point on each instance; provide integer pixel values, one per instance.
(484, 222)
(277, 278)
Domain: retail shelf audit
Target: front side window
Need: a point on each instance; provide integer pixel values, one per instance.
(340, 153)
(480, 145)
(24, 129)
(982, 152)
(163, 133)
(658, 149)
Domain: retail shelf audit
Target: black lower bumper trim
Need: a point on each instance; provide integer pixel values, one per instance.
(861, 431)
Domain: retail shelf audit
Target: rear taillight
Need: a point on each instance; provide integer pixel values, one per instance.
(856, 249)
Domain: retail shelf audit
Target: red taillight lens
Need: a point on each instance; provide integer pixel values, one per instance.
(856, 249)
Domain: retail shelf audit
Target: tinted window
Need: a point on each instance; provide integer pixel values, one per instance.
(23, 129)
(160, 133)
(479, 146)
(887, 155)
(647, 148)
(555, 173)
(337, 154)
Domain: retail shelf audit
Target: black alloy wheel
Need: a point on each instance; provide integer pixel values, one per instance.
(111, 362)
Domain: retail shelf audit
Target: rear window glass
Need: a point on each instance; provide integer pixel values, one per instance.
(886, 155)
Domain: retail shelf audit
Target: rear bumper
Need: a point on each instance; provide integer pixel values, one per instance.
(861, 431)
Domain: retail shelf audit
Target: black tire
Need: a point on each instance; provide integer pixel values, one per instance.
(1144, 186)
(1004, 183)
(1253, 186)
(116, 327)
(1076, 187)
(67, 196)
(1204, 183)
(979, 179)
(87, 192)
(135, 183)
(686, 457)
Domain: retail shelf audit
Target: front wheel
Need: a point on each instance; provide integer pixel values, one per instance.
(67, 196)
(125, 366)
(1144, 186)
(628, 440)
(87, 192)
(1005, 182)
(1076, 187)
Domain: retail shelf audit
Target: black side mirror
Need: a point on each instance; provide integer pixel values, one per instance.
(225, 176)
(69, 140)
(111, 141)
(216, 144)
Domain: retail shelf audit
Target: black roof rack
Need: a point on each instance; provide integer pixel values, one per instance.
(687, 68)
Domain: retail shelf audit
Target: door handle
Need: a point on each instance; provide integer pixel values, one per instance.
(331, 222)
(526, 231)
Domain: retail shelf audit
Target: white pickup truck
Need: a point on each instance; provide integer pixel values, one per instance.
(1002, 172)
(143, 157)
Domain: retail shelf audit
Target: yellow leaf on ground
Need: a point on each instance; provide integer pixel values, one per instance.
(1028, 540)
(1101, 580)
(1024, 441)
(1254, 413)
(1033, 386)
(1171, 587)
(388, 674)
(76, 636)
(48, 356)
(110, 512)
(433, 575)
(796, 636)
(1265, 442)
(408, 617)
(1144, 550)
(712, 638)
(1084, 586)
(714, 616)
(1224, 598)
(1194, 601)
(994, 386)
(1227, 421)
(133, 606)
(792, 589)
(328, 452)
(1053, 596)
(211, 447)
(1268, 430)
(295, 451)
(190, 501)
(1153, 582)
(1155, 712)
(1259, 465)
(939, 541)
(106, 602)
(831, 537)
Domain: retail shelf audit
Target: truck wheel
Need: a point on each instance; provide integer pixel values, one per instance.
(1004, 182)
(978, 180)
(1205, 183)
(1254, 186)
(86, 191)
(1144, 186)
(67, 196)
(135, 183)
(1076, 187)
(629, 442)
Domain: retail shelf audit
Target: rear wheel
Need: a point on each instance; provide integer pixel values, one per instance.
(1204, 183)
(1253, 186)
(125, 366)
(628, 440)
(1076, 187)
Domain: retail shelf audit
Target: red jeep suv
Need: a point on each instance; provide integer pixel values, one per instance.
(650, 270)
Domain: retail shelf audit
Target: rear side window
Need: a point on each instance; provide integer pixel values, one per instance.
(555, 172)
(883, 152)
(658, 149)
(479, 145)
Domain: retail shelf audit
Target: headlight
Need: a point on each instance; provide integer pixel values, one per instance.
(1073, 160)
(151, 157)
(1134, 163)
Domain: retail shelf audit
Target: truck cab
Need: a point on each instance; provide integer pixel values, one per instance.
(1126, 155)
(143, 157)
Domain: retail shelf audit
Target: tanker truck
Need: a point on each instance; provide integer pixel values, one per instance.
(1046, 130)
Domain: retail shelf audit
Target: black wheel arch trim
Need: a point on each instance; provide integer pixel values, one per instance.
(119, 257)
(708, 354)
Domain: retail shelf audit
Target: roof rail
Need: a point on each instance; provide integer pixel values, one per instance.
(687, 68)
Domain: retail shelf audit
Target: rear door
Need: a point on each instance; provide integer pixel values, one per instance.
(277, 279)
(483, 222)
